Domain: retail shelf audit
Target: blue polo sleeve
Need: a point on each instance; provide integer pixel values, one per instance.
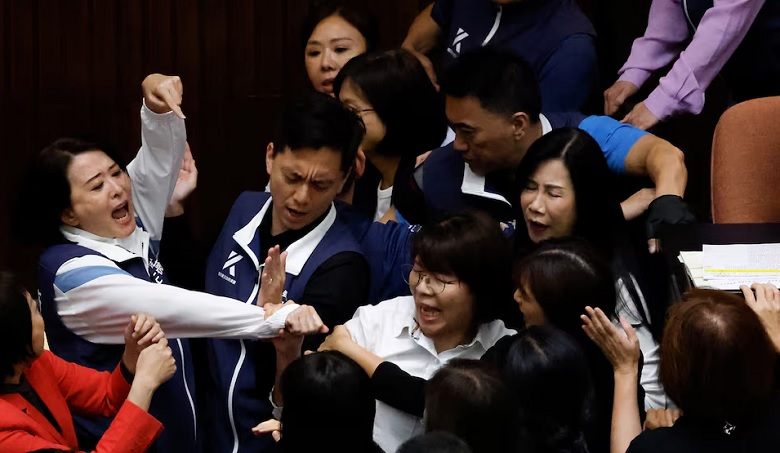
(614, 138)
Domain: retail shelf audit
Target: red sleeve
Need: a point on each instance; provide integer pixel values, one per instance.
(87, 391)
(22, 441)
(133, 430)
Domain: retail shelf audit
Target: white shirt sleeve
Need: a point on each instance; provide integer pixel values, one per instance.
(95, 299)
(156, 167)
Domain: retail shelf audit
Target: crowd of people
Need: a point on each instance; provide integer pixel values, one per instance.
(445, 258)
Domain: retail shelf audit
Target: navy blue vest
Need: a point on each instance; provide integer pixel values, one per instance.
(237, 402)
(533, 29)
(442, 179)
(170, 405)
(753, 70)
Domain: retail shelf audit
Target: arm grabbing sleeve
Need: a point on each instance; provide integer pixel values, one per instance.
(95, 299)
(155, 168)
(718, 35)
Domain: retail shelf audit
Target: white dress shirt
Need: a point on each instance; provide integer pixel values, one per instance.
(390, 331)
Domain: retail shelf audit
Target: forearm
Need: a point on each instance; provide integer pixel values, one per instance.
(141, 393)
(283, 359)
(424, 34)
(666, 167)
(155, 168)
(367, 360)
(399, 389)
(625, 412)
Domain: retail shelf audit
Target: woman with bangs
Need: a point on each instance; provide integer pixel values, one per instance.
(459, 280)
(403, 114)
(333, 33)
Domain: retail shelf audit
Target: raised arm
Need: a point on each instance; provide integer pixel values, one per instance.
(622, 351)
(155, 169)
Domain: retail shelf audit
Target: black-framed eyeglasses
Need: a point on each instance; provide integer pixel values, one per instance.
(413, 277)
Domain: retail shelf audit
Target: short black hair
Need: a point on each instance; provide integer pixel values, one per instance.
(501, 81)
(434, 442)
(15, 325)
(470, 245)
(354, 13)
(323, 393)
(396, 85)
(322, 122)
(468, 398)
(552, 381)
(45, 192)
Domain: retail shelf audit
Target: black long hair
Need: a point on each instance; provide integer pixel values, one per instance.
(552, 381)
(599, 217)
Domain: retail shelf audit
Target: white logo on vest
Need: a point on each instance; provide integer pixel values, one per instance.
(230, 265)
(454, 50)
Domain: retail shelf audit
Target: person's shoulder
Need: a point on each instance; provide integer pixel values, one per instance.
(443, 153)
(55, 256)
(564, 119)
(600, 124)
(251, 199)
(400, 306)
(492, 332)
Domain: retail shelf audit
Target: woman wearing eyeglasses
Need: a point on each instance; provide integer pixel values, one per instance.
(404, 117)
(460, 281)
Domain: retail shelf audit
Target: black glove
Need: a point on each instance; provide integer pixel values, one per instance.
(669, 210)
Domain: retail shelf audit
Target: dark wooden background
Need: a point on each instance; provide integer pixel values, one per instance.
(72, 67)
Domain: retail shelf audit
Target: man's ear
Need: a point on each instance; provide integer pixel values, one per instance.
(520, 123)
(68, 217)
(360, 164)
(269, 157)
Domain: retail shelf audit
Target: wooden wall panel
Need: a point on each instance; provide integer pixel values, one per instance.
(75, 66)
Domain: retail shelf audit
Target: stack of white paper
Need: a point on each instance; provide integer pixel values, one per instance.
(729, 266)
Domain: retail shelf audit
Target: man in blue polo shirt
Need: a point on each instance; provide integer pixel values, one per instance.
(494, 106)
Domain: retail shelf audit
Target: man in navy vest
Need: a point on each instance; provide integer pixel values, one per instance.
(494, 106)
(553, 36)
(324, 264)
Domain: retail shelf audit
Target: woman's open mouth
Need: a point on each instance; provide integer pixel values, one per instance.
(122, 213)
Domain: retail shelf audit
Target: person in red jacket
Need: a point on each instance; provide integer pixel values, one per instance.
(39, 391)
